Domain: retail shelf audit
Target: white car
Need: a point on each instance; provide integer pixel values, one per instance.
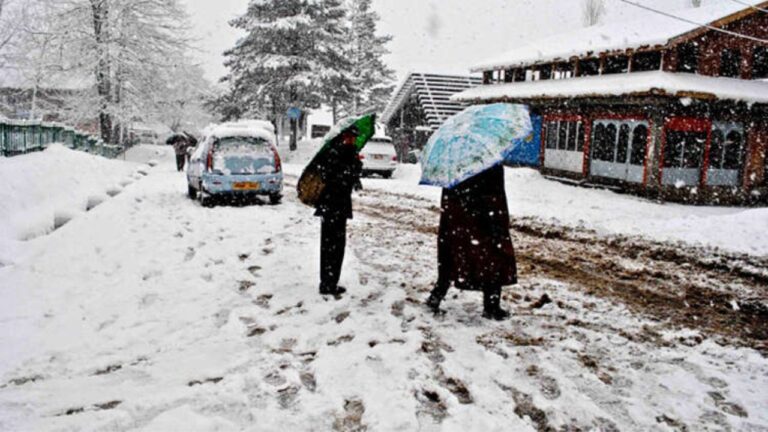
(379, 156)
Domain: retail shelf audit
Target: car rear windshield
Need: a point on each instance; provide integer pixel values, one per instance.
(243, 145)
(243, 155)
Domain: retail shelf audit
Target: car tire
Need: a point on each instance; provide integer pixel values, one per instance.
(275, 199)
(191, 192)
(387, 174)
(205, 199)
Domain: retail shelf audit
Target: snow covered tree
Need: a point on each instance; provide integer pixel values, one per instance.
(369, 82)
(290, 51)
(127, 54)
(695, 3)
(592, 11)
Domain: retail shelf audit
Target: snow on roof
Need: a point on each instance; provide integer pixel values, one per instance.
(656, 82)
(648, 32)
(434, 94)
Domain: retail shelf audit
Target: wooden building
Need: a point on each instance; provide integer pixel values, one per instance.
(661, 107)
(420, 105)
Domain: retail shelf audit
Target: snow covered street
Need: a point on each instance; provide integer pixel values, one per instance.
(152, 313)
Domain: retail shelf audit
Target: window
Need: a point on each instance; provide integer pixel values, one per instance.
(730, 63)
(565, 136)
(760, 63)
(546, 72)
(716, 149)
(563, 71)
(487, 77)
(639, 143)
(733, 151)
(562, 135)
(726, 151)
(684, 149)
(509, 75)
(599, 144)
(688, 58)
(589, 67)
(616, 65)
(623, 145)
(646, 61)
(572, 136)
(552, 135)
(519, 75)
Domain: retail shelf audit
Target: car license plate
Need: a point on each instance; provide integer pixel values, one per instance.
(378, 157)
(245, 185)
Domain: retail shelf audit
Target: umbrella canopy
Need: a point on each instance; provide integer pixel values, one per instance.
(175, 137)
(365, 125)
(476, 139)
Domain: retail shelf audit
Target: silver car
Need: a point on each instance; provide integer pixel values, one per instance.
(235, 162)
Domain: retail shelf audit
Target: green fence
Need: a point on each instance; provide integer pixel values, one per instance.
(20, 137)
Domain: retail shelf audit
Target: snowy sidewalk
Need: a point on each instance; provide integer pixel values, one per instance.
(151, 313)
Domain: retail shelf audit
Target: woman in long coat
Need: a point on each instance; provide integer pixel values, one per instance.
(474, 250)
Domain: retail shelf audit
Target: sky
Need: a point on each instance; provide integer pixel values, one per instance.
(448, 36)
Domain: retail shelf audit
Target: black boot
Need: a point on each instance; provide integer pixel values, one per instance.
(433, 303)
(336, 291)
(436, 296)
(491, 306)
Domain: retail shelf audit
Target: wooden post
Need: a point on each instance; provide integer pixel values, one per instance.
(653, 157)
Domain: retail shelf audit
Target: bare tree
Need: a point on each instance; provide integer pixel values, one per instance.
(592, 11)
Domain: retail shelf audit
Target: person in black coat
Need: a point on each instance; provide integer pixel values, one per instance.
(341, 174)
(474, 250)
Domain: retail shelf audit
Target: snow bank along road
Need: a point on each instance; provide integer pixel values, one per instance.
(152, 313)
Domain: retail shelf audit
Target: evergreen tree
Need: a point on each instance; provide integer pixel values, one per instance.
(371, 79)
(289, 53)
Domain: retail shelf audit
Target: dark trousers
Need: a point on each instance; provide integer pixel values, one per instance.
(180, 159)
(333, 240)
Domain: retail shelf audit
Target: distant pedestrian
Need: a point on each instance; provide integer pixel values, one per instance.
(474, 250)
(341, 174)
(179, 143)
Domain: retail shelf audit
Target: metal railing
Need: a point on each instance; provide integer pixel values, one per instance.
(21, 136)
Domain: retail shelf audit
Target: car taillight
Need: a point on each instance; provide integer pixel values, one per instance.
(278, 163)
(394, 158)
(209, 161)
(361, 156)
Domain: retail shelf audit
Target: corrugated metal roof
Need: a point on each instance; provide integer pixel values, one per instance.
(434, 93)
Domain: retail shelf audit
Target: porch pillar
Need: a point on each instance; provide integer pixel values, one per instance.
(653, 168)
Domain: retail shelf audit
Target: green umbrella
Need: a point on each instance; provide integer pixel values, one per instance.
(364, 124)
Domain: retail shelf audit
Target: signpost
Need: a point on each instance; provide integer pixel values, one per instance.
(294, 114)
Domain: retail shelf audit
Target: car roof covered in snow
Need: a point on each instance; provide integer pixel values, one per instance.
(654, 30)
(638, 83)
(231, 130)
(251, 123)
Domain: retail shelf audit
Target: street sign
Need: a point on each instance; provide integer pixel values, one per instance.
(294, 113)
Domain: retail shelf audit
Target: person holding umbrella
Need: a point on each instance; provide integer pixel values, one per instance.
(327, 183)
(179, 143)
(465, 157)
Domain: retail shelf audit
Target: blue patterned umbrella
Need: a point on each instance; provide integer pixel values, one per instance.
(476, 139)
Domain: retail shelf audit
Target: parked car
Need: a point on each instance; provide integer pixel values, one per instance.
(235, 162)
(379, 156)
